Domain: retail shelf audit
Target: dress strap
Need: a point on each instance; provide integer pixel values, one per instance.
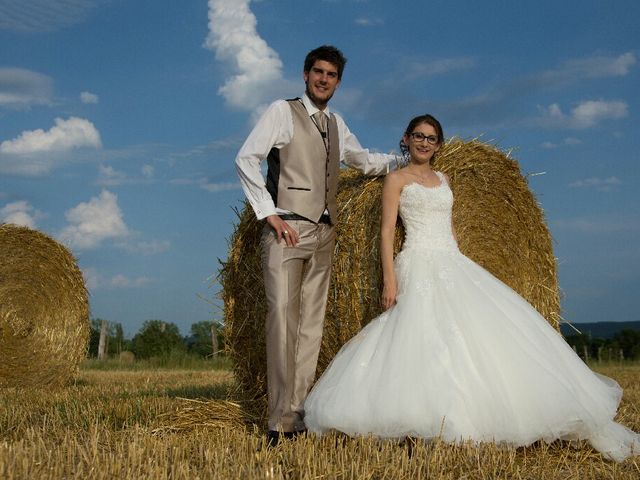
(442, 177)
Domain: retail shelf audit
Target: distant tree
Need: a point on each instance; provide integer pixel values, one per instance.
(116, 341)
(629, 341)
(625, 342)
(580, 343)
(157, 338)
(597, 347)
(200, 341)
(94, 336)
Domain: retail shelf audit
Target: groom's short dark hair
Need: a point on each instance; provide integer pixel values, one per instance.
(328, 53)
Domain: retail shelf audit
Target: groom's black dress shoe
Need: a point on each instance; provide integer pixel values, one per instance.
(274, 437)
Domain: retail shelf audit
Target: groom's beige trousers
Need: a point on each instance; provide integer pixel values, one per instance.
(296, 284)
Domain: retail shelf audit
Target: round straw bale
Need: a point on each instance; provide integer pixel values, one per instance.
(44, 311)
(127, 357)
(498, 223)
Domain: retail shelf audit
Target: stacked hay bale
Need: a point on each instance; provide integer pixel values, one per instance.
(44, 310)
(498, 224)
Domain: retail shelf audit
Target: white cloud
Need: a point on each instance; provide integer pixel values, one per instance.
(35, 16)
(64, 136)
(100, 219)
(94, 280)
(601, 184)
(257, 68)
(20, 213)
(499, 104)
(554, 111)
(575, 71)
(21, 88)
(421, 69)
(35, 152)
(110, 177)
(585, 115)
(569, 142)
(93, 222)
(369, 21)
(183, 181)
(602, 66)
(207, 185)
(220, 186)
(88, 97)
(147, 171)
(593, 67)
(589, 113)
(215, 148)
(146, 248)
(121, 281)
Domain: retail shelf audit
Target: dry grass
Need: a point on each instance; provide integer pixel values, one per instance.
(137, 425)
(44, 310)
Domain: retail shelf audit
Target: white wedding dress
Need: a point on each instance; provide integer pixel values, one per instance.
(461, 356)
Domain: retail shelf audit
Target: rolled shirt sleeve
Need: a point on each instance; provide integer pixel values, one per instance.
(355, 156)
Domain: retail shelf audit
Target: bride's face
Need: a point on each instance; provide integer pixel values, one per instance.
(423, 143)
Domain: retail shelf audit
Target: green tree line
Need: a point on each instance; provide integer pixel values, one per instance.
(157, 338)
(624, 345)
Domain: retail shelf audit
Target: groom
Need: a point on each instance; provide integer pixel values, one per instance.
(303, 143)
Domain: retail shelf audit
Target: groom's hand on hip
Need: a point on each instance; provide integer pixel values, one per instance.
(283, 230)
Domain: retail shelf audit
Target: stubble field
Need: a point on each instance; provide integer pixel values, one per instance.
(120, 424)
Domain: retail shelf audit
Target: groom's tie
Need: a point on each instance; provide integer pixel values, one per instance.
(321, 121)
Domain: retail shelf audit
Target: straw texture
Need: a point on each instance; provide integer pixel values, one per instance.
(44, 311)
(498, 223)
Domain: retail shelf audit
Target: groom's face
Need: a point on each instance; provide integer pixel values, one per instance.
(322, 81)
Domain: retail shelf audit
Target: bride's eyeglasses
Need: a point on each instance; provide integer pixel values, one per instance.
(421, 137)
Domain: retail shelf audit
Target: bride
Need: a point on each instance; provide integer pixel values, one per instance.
(457, 354)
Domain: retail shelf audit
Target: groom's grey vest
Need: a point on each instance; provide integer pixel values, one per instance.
(303, 176)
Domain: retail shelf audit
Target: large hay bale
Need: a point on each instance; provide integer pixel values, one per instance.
(44, 310)
(498, 224)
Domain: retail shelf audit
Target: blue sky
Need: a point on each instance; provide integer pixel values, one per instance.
(120, 120)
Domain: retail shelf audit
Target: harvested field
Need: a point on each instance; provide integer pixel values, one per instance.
(132, 424)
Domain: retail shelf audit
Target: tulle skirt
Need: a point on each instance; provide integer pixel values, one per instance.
(463, 357)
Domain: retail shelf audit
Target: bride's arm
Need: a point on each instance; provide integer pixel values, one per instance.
(390, 199)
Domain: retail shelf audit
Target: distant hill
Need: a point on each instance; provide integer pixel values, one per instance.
(604, 330)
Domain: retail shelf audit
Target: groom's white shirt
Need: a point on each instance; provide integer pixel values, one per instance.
(275, 130)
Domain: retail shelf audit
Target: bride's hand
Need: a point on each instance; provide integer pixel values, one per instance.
(389, 292)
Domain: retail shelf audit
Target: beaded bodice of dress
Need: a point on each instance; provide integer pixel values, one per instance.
(426, 215)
